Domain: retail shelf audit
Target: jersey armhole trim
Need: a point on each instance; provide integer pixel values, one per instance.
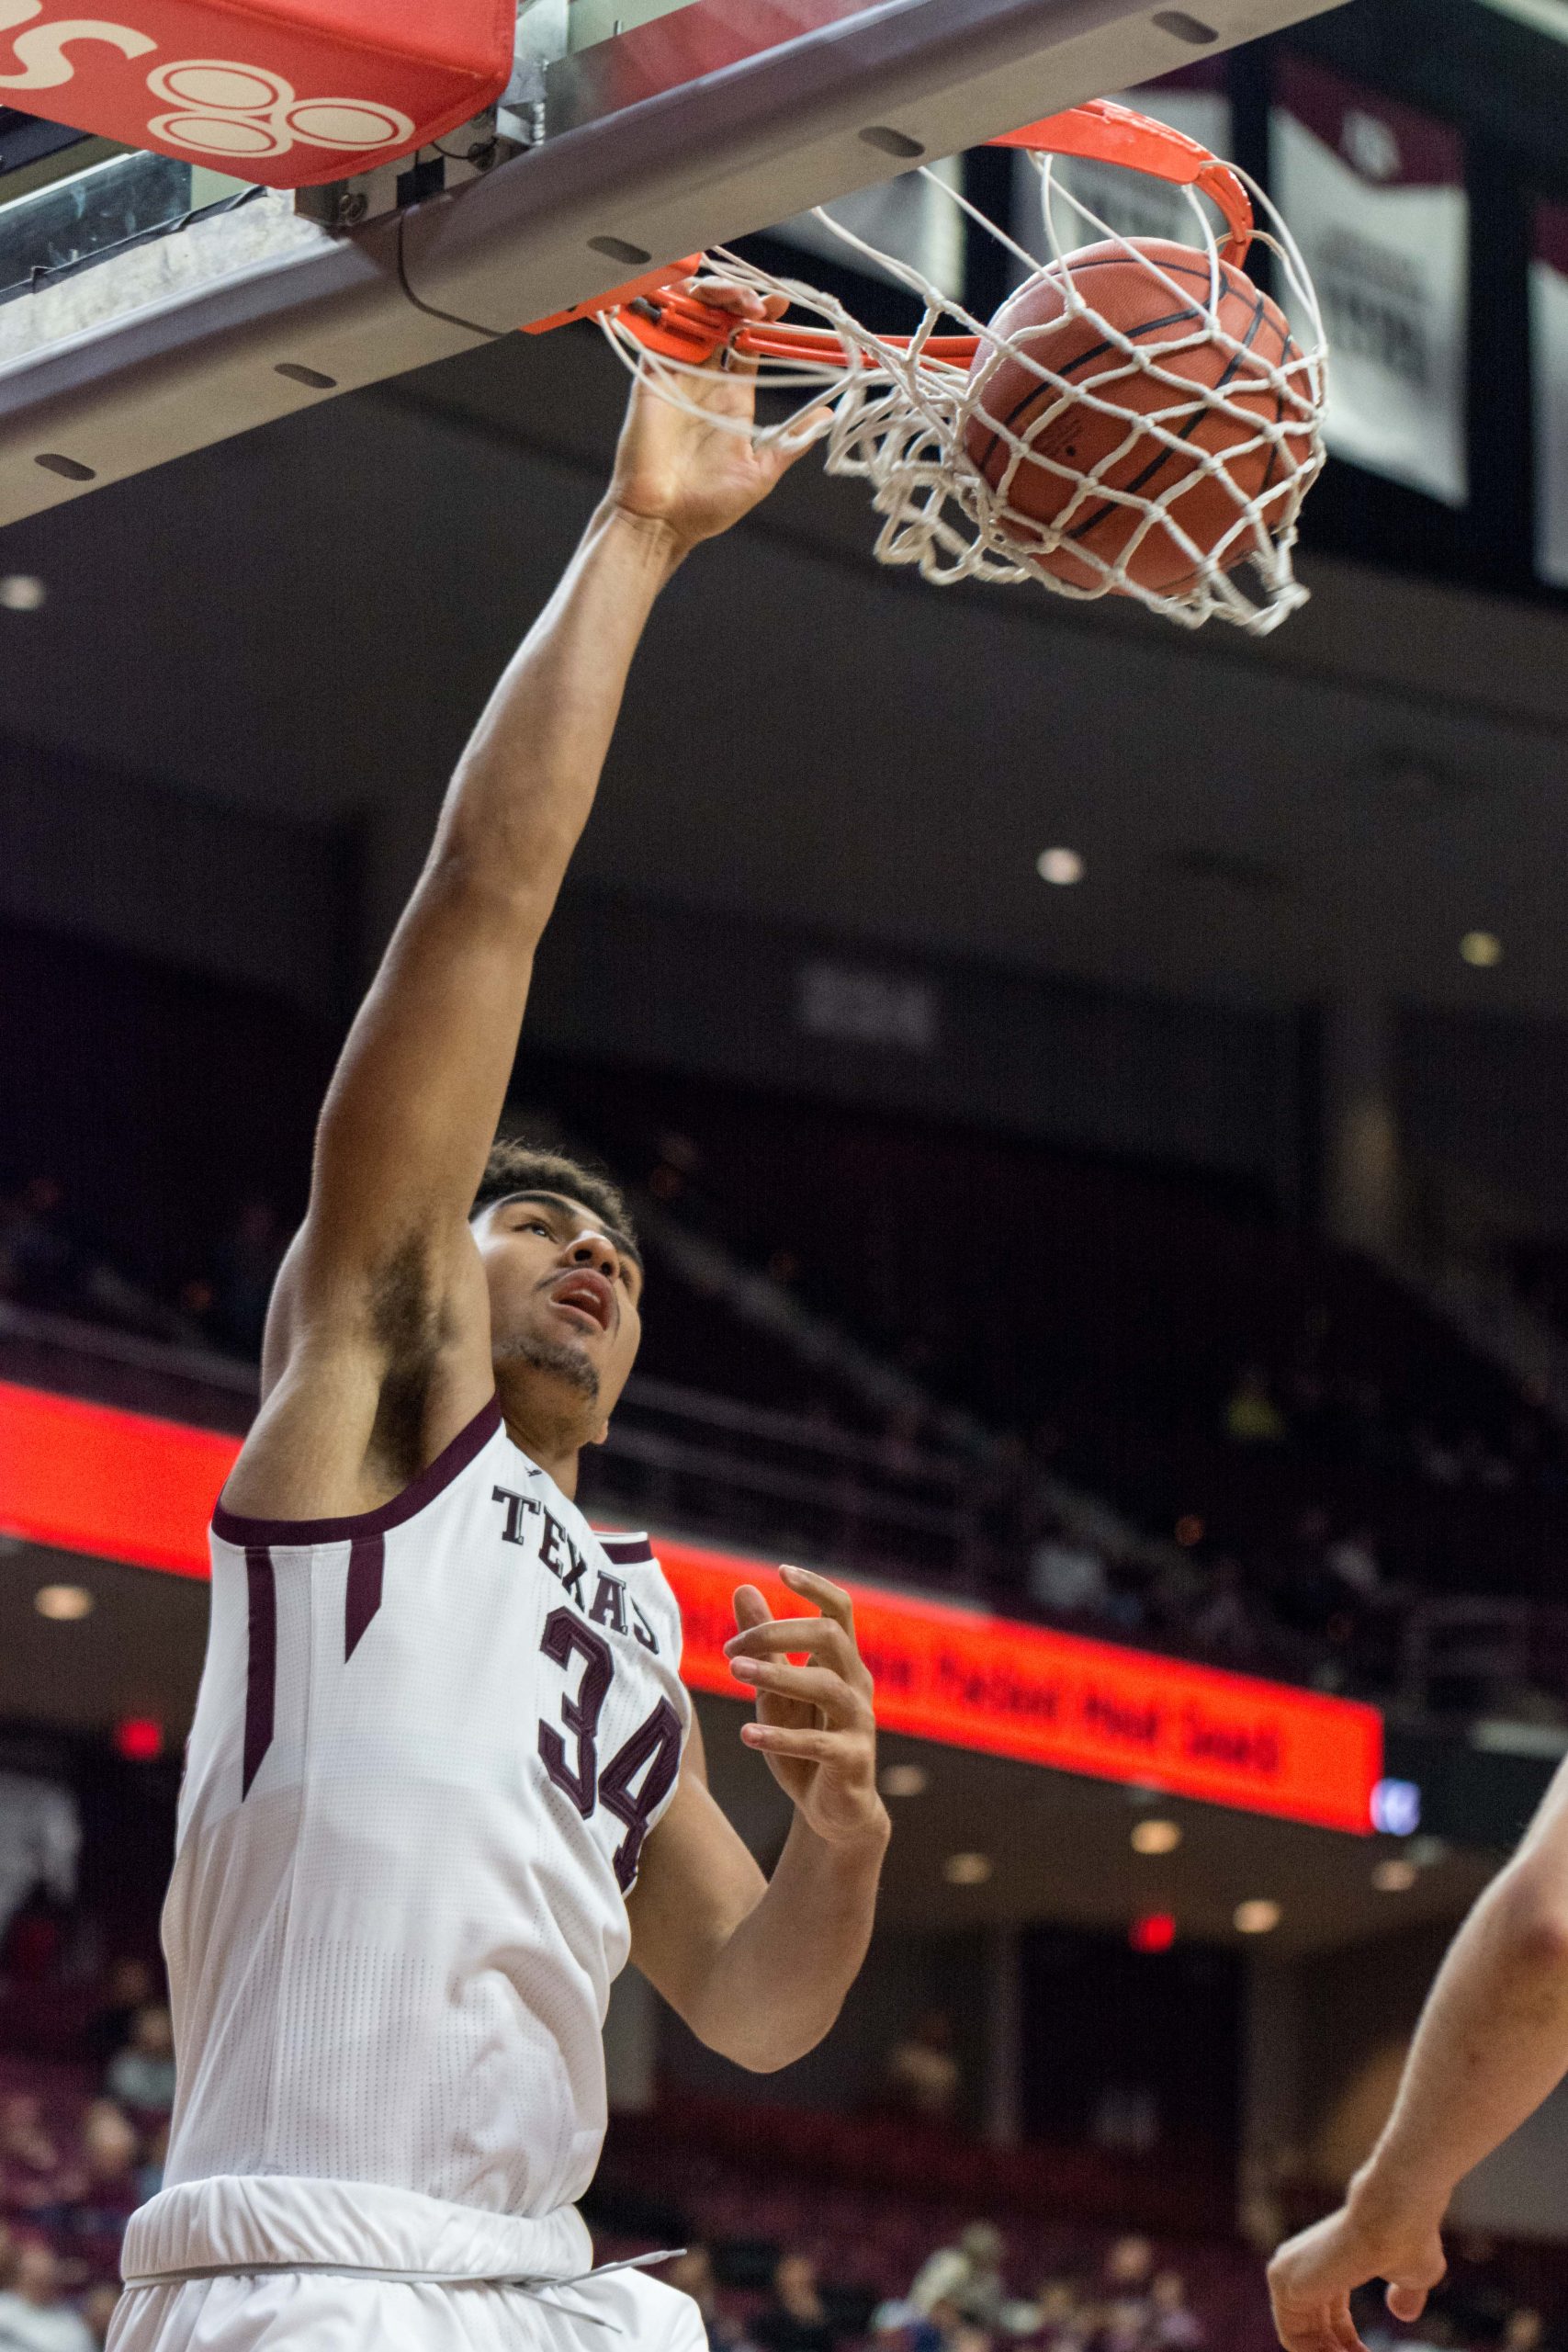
(622, 1550)
(233, 1527)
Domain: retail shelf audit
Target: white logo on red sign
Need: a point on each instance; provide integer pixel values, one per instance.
(218, 107)
(42, 51)
(244, 112)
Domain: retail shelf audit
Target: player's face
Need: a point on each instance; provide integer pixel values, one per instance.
(565, 1293)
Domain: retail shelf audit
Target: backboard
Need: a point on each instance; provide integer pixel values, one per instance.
(150, 307)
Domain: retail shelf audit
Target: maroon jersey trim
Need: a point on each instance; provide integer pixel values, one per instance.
(367, 1565)
(624, 1551)
(232, 1528)
(261, 1662)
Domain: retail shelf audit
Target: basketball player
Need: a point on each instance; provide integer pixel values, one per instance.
(1491, 2043)
(442, 1776)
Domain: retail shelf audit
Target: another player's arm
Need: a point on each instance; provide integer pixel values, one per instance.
(1492, 2043)
(759, 1968)
(384, 1272)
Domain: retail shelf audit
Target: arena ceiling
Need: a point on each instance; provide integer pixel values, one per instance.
(307, 619)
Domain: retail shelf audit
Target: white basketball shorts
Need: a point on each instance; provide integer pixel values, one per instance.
(301, 2311)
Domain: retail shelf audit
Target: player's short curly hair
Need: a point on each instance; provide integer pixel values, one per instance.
(517, 1165)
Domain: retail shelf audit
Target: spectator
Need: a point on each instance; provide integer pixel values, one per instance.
(1437, 1460)
(39, 1264)
(1222, 1622)
(1308, 1598)
(246, 1266)
(898, 2326)
(797, 2320)
(33, 2315)
(1123, 2326)
(1252, 1418)
(1126, 2115)
(106, 2194)
(968, 2276)
(1174, 2327)
(129, 1988)
(1069, 1578)
(961, 2334)
(1354, 1560)
(149, 2171)
(921, 2076)
(143, 2076)
(1524, 2331)
(98, 2309)
(902, 1450)
(30, 2164)
(1062, 2323)
(692, 2273)
(1129, 2266)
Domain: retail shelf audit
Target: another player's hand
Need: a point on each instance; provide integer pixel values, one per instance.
(1313, 2277)
(675, 468)
(815, 1722)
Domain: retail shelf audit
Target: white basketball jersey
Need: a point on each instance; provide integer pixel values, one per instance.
(430, 1743)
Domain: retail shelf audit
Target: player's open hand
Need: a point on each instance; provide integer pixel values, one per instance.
(697, 469)
(1313, 2277)
(815, 1722)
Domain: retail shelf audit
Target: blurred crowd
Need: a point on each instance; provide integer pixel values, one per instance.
(1317, 1606)
(82, 2144)
(1315, 1600)
(1350, 1418)
(959, 2301)
(52, 1263)
(73, 2169)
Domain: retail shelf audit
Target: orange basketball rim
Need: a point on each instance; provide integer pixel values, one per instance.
(668, 319)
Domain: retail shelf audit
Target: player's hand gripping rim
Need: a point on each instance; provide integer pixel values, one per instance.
(816, 1723)
(691, 462)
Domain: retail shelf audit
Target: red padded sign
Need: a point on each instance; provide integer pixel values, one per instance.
(120, 1486)
(286, 92)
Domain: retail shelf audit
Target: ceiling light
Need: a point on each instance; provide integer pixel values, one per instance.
(1259, 1918)
(966, 1869)
(1482, 948)
(1156, 1838)
(63, 1602)
(904, 1781)
(1061, 866)
(1396, 1877)
(21, 593)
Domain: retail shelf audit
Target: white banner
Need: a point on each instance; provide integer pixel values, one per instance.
(1374, 195)
(1548, 371)
(908, 218)
(1129, 203)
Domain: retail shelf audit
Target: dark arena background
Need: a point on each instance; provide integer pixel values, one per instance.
(1096, 1098)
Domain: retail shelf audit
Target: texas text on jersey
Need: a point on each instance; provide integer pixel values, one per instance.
(430, 1743)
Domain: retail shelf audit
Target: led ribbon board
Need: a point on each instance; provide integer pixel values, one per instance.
(969, 1680)
(119, 1486)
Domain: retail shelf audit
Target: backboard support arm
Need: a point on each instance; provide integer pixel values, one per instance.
(661, 142)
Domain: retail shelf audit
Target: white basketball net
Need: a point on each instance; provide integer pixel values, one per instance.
(899, 412)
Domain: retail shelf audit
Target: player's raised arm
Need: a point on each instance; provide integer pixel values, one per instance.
(383, 1267)
(1492, 2043)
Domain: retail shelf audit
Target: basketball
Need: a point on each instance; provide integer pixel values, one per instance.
(1121, 292)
